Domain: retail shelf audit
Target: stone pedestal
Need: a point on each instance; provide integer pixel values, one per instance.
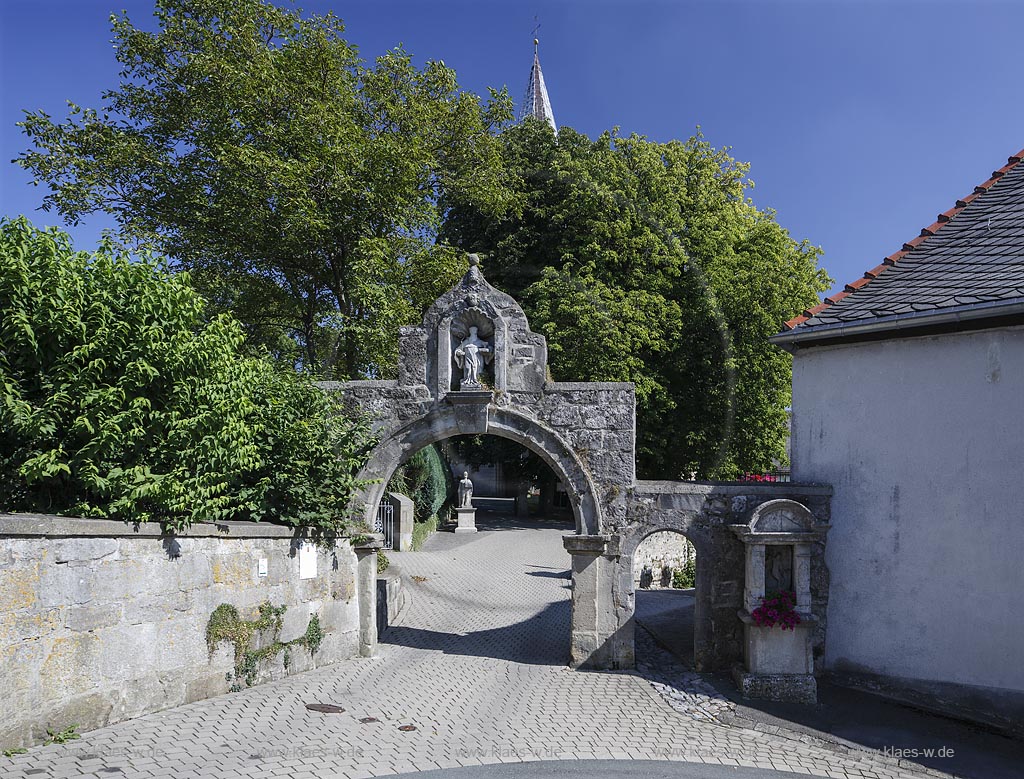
(599, 640)
(467, 520)
(778, 663)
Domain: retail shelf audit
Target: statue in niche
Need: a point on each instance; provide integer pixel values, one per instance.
(465, 491)
(471, 355)
(778, 568)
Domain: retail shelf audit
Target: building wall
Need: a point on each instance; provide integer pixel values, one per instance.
(99, 624)
(922, 440)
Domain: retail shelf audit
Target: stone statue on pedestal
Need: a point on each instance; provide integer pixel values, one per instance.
(470, 356)
(465, 491)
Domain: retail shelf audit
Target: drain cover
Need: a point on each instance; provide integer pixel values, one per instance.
(407, 728)
(325, 708)
(368, 720)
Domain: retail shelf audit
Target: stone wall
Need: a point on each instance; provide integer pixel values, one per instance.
(99, 624)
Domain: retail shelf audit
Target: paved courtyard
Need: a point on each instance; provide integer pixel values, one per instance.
(476, 666)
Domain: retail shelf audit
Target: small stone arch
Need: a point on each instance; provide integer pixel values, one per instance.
(692, 526)
(443, 422)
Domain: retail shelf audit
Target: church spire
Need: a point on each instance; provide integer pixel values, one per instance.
(537, 103)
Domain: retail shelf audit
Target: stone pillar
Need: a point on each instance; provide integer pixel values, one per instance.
(366, 590)
(404, 518)
(802, 577)
(753, 588)
(598, 640)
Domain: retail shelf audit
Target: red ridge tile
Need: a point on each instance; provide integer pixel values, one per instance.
(815, 310)
(853, 286)
(875, 272)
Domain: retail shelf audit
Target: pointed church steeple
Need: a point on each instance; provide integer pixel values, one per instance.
(537, 103)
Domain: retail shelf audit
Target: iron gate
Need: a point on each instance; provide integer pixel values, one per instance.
(385, 523)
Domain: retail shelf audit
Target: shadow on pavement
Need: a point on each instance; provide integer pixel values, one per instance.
(668, 615)
(541, 640)
(876, 723)
(842, 715)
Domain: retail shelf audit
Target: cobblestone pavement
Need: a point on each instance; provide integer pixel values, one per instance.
(476, 665)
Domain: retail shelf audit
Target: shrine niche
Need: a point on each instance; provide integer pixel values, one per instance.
(778, 662)
(472, 347)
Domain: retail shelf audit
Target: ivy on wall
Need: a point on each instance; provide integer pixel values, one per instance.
(225, 624)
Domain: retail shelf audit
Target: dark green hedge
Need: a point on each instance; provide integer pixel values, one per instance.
(426, 477)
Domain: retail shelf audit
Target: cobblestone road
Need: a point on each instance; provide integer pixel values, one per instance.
(476, 665)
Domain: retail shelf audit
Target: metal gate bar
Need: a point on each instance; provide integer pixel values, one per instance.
(385, 523)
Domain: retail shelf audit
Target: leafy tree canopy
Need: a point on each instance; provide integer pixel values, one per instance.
(647, 262)
(300, 185)
(120, 400)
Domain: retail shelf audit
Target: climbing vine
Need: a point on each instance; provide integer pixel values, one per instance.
(225, 624)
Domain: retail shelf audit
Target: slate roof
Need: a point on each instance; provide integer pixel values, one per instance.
(972, 256)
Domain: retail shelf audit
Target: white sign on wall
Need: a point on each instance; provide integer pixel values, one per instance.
(307, 560)
(261, 569)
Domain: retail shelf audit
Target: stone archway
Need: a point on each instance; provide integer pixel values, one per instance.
(443, 422)
(586, 432)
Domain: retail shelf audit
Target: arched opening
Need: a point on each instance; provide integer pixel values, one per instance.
(502, 590)
(664, 570)
(444, 423)
(508, 478)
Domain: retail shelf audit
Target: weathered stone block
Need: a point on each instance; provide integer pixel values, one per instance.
(19, 587)
(91, 617)
(72, 666)
(82, 550)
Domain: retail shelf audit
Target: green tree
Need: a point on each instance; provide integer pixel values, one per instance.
(120, 400)
(647, 262)
(300, 185)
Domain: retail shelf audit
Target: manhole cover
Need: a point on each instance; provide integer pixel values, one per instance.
(368, 720)
(406, 728)
(325, 708)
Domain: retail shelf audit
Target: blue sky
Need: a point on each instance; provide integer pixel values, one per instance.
(861, 120)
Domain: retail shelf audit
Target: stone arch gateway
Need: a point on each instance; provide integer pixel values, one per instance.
(475, 367)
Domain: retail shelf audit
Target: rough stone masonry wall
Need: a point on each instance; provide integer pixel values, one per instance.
(99, 624)
(598, 420)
